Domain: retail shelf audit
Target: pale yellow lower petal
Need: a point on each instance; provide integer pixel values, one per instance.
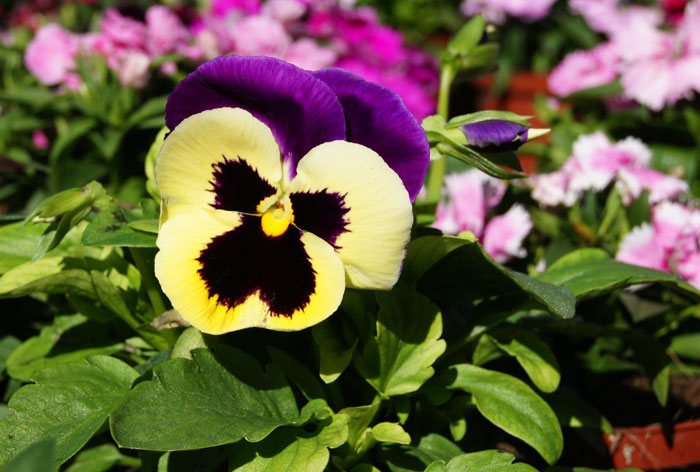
(184, 171)
(380, 213)
(187, 233)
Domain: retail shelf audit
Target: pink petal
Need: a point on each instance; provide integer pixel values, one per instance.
(640, 247)
(504, 234)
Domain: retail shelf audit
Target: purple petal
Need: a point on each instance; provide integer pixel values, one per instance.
(377, 118)
(496, 135)
(301, 110)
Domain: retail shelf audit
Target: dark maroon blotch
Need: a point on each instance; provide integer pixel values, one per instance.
(245, 260)
(322, 213)
(238, 187)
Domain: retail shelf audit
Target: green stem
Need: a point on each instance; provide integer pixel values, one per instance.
(148, 280)
(438, 167)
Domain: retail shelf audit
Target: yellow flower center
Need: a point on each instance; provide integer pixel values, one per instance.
(275, 221)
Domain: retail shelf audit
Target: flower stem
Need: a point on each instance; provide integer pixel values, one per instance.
(438, 167)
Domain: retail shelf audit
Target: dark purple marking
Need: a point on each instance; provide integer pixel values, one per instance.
(496, 135)
(300, 109)
(244, 260)
(322, 213)
(238, 187)
(376, 117)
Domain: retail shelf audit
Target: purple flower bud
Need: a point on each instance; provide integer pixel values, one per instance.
(496, 135)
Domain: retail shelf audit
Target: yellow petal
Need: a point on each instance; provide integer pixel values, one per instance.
(379, 216)
(185, 165)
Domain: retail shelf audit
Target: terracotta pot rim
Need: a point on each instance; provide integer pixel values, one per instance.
(680, 426)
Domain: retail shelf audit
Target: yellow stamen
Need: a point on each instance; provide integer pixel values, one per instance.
(275, 222)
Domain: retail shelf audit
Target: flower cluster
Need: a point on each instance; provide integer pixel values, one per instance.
(471, 198)
(311, 35)
(497, 11)
(662, 72)
(597, 162)
(280, 187)
(670, 243)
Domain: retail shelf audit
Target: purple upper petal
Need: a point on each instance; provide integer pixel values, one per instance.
(496, 135)
(377, 118)
(301, 110)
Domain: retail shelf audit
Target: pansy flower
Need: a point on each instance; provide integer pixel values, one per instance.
(280, 188)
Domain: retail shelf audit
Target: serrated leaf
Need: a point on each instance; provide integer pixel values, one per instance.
(467, 273)
(512, 405)
(591, 272)
(69, 403)
(200, 403)
(398, 360)
(535, 357)
(291, 449)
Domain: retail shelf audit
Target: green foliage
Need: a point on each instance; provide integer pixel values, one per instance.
(510, 404)
(201, 403)
(69, 403)
(483, 461)
(398, 360)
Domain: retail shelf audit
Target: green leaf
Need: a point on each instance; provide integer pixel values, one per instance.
(482, 461)
(199, 403)
(111, 227)
(511, 405)
(398, 359)
(434, 447)
(46, 275)
(36, 457)
(150, 164)
(298, 373)
(687, 345)
(69, 403)
(591, 272)
(18, 243)
(7, 345)
(334, 353)
(392, 433)
(467, 37)
(487, 115)
(99, 459)
(535, 357)
(573, 412)
(35, 354)
(467, 273)
(291, 449)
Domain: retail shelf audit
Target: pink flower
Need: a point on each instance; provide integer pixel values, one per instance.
(640, 247)
(222, 8)
(284, 11)
(582, 70)
(132, 68)
(609, 16)
(496, 11)
(164, 30)
(671, 243)
(471, 196)
(667, 68)
(504, 235)
(123, 32)
(633, 181)
(40, 140)
(260, 35)
(595, 163)
(50, 56)
(307, 54)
